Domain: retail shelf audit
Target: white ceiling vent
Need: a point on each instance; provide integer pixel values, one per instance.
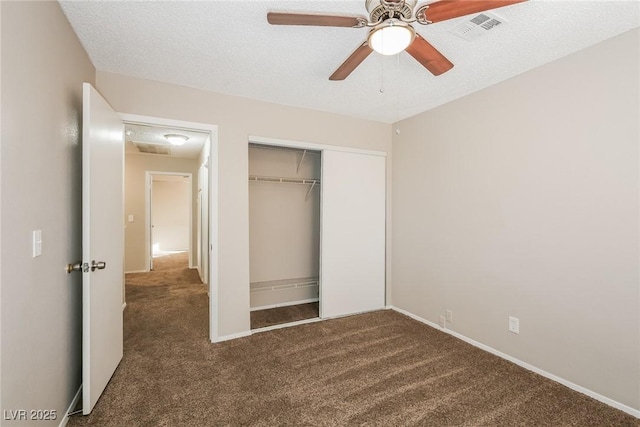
(478, 26)
(143, 147)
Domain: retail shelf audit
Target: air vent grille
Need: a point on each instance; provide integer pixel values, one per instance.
(478, 26)
(153, 148)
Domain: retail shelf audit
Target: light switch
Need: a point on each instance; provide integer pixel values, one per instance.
(130, 218)
(37, 243)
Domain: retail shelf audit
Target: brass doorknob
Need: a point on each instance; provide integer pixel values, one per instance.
(100, 265)
(78, 266)
(84, 267)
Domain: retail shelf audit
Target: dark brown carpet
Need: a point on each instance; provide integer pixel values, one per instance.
(171, 261)
(167, 270)
(380, 369)
(280, 315)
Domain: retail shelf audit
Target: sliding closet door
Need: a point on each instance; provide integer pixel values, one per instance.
(352, 233)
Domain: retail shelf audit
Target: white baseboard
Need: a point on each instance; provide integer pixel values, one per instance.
(285, 304)
(74, 402)
(136, 271)
(615, 404)
(233, 336)
(124, 305)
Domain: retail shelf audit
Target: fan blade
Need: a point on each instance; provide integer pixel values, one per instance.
(352, 62)
(277, 18)
(429, 56)
(449, 9)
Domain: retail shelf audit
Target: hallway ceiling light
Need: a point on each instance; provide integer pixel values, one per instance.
(176, 139)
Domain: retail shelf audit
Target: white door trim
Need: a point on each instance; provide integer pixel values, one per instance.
(311, 145)
(325, 148)
(213, 201)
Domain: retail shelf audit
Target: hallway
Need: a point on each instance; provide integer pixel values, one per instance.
(165, 324)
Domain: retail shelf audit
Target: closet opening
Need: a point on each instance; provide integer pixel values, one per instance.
(284, 234)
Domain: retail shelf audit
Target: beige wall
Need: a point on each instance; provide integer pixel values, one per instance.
(523, 200)
(136, 166)
(237, 118)
(171, 206)
(43, 67)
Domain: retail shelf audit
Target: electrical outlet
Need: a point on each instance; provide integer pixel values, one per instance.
(442, 322)
(514, 325)
(449, 316)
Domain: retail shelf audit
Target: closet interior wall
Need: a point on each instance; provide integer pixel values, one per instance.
(284, 226)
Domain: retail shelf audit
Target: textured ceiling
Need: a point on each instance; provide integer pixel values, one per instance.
(228, 47)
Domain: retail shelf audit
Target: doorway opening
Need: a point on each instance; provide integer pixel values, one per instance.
(170, 218)
(171, 206)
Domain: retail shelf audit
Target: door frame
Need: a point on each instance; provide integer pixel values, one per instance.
(322, 148)
(148, 177)
(213, 200)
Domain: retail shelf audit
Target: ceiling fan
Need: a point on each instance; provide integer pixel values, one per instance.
(391, 30)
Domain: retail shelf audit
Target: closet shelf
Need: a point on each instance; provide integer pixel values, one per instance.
(283, 284)
(278, 180)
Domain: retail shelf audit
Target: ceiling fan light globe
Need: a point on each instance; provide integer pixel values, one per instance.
(391, 37)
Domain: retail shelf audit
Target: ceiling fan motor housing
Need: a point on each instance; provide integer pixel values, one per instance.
(383, 9)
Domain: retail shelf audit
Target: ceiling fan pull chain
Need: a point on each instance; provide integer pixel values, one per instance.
(396, 92)
(381, 75)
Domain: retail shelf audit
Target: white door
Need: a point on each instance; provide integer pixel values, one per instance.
(352, 263)
(102, 242)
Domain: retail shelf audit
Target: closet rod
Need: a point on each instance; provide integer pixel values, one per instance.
(276, 285)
